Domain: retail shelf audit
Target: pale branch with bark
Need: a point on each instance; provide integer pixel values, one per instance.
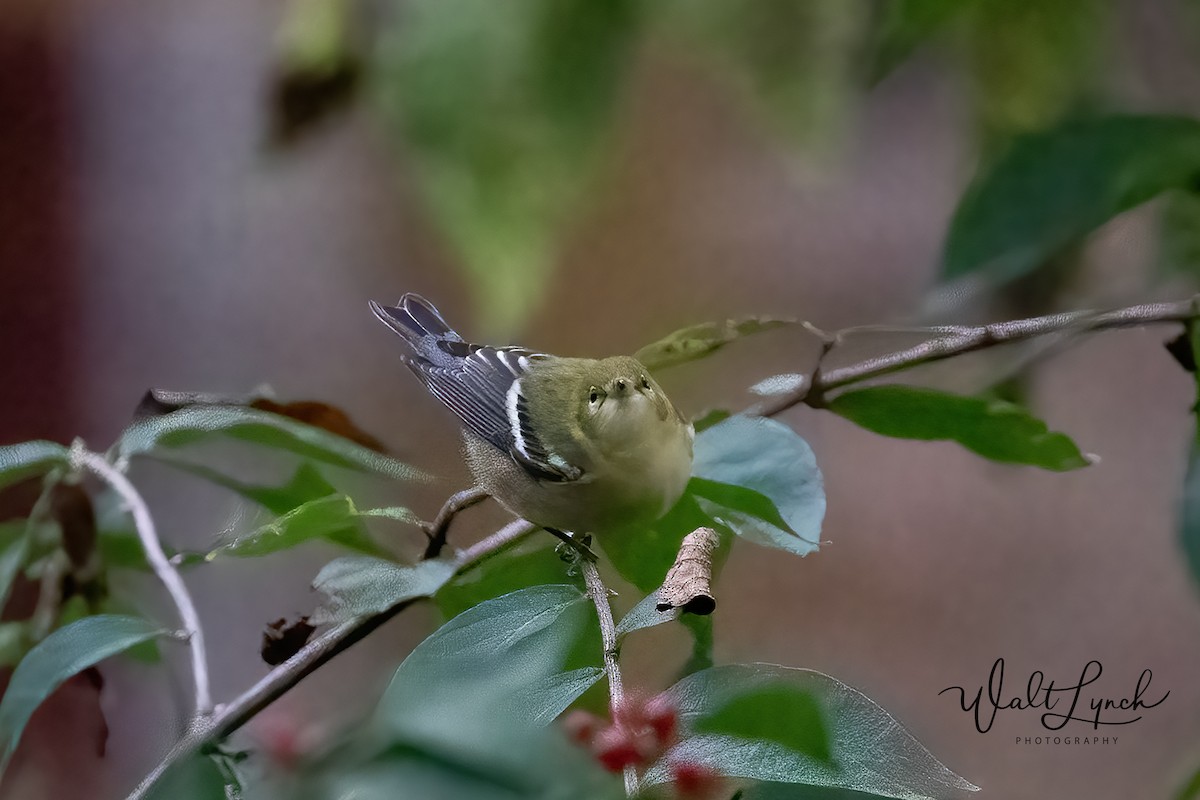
(598, 593)
(231, 716)
(954, 341)
(166, 573)
(210, 727)
(437, 530)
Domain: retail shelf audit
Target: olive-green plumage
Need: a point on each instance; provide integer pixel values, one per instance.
(576, 444)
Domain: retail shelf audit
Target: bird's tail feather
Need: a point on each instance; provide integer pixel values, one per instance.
(414, 318)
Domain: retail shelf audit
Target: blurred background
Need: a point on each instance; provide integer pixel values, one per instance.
(203, 197)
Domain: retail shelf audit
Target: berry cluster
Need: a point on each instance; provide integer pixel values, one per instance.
(641, 732)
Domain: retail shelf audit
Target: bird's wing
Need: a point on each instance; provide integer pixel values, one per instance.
(482, 385)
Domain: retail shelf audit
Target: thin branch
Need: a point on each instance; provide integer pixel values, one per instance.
(967, 339)
(233, 715)
(598, 593)
(143, 523)
(440, 527)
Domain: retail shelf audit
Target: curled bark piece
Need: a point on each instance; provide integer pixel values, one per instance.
(688, 584)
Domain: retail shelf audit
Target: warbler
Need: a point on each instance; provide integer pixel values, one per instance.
(570, 444)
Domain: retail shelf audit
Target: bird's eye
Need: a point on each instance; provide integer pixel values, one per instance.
(645, 383)
(594, 396)
(620, 386)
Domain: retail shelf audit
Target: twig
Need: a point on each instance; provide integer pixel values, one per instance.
(598, 593)
(166, 573)
(232, 716)
(967, 339)
(437, 530)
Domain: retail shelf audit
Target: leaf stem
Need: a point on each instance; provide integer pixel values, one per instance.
(143, 523)
(959, 340)
(598, 593)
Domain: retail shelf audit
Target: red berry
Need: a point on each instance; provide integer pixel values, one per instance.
(582, 726)
(630, 712)
(662, 717)
(616, 748)
(694, 781)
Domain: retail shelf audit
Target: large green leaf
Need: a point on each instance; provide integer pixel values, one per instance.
(1050, 189)
(697, 341)
(760, 479)
(493, 659)
(359, 586)
(823, 733)
(775, 713)
(466, 714)
(28, 459)
(531, 562)
(503, 112)
(192, 424)
(645, 615)
(56, 658)
(307, 483)
(994, 429)
(642, 555)
(333, 518)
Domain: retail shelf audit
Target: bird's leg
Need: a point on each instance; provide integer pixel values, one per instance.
(578, 544)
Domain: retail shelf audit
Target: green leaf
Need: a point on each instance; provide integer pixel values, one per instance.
(642, 555)
(192, 424)
(14, 642)
(28, 459)
(697, 341)
(709, 418)
(1050, 189)
(760, 480)
(519, 764)
(992, 428)
(489, 661)
(16, 538)
(1191, 789)
(701, 657)
(1034, 62)
(1189, 517)
(645, 615)
(359, 586)
(504, 113)
(792, 64)
(531, 562)
(333, 519)
(56, 658)
(194, 778)
(773, 712)
(306, 484)
(793, 791)
(839, 739)
(1179, 229)
(903, 26)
